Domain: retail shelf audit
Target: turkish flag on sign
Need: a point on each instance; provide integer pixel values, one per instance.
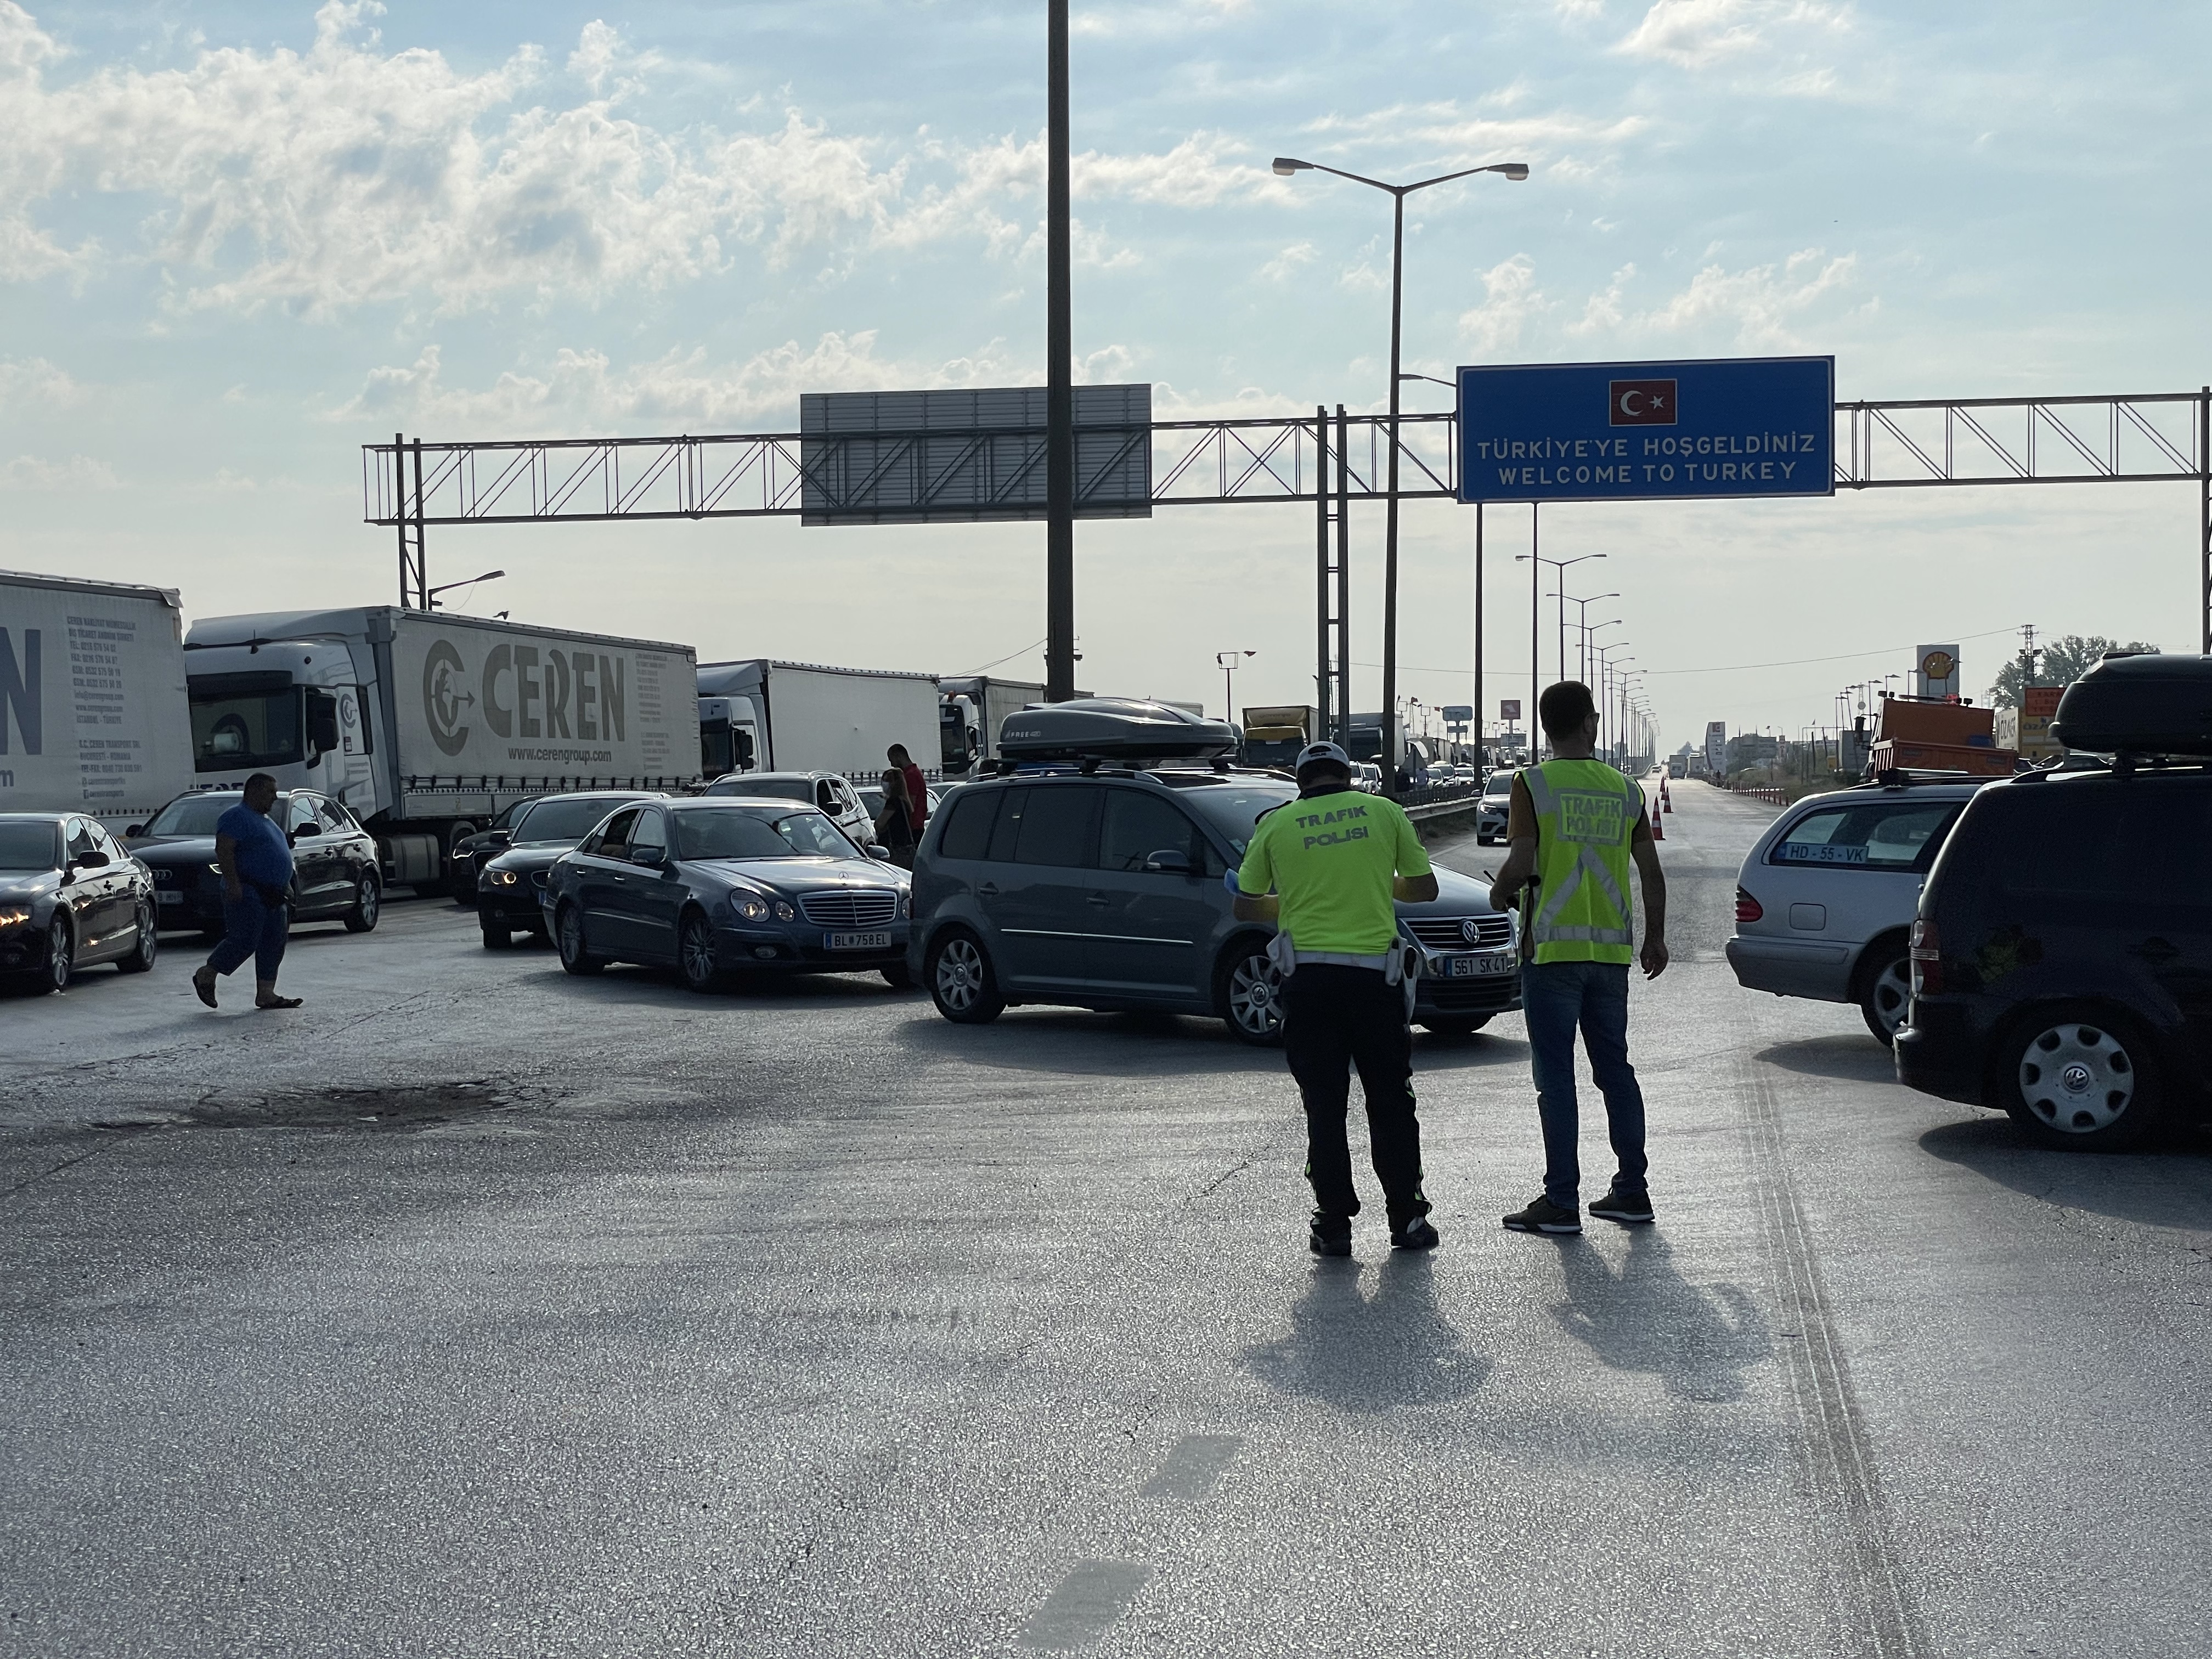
(1643, 403)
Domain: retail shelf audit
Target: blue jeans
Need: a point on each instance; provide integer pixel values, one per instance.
(1556, 998)
(252, 927)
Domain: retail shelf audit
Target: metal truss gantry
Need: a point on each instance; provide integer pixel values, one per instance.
(1917, 443)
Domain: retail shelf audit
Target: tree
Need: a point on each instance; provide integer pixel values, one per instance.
(2056, 665)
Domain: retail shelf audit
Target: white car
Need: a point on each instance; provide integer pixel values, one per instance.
(1825, 902)
(1496, 799)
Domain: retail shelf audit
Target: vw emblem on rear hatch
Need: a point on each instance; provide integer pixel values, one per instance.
(1470, 930)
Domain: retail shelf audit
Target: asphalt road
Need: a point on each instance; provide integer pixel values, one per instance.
(477, 1310)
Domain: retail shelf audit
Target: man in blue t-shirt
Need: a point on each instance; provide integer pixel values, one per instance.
(255, 856)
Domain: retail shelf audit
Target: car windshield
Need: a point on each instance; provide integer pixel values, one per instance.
(566, 820)
(1501, 785)
(771, 788)
(28, 844)
(1234, 808)
(193, 815)
(758, 832)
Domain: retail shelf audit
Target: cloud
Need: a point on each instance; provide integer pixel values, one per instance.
(1458, 136)
(35, 382)
(77, 472)
(1510, 301)
(1758, 308)
(1287, 264)
(345, 175)
(1111, 22)
(1699, 33)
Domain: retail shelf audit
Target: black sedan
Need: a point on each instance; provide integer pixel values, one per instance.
(716, 886)
(69, 897)
(335, 876)
(465, 861)
(507, 887)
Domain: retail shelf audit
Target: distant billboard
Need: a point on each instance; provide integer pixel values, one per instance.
(1509, 709)
(1601, 432)
(1459, 713)
(961, 456)
(1936, 671)
(1717, 746)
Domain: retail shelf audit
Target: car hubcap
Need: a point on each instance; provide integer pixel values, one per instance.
(1893, 994)
(959, 975)
(1252, 996)
(2077, 1079)
(698, 953)
(58, 955)
(367, 900)
(147, 941)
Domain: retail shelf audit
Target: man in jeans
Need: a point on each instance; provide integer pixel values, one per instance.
(256, 858)
(1576, 825)
(1335, 858)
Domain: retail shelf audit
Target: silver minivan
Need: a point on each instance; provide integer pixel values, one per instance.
(1825, 902)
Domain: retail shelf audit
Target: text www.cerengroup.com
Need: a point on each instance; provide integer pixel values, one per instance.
(572, 757)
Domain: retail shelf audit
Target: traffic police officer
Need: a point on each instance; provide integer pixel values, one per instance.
(1576, 824)
(1334, 859)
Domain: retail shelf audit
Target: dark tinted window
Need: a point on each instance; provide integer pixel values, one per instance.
(1235, 808)
(2144, 840)
(966, 832)
(80, 838)
(765, 788)
(192, 815)
(651, 831)
(28, 844)
(613, 842)
(1137, 825)
(1012, 803)
(1871, 834)
(563, 820)
(762, 832)
(1056, 824)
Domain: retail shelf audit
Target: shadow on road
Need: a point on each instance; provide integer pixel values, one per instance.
(1858, 1058)
(1371, 1353)
(1698, 1340)
(2169, 1185)
(1154, 1045)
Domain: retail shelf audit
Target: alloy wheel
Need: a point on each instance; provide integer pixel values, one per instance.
(369, 903)
(2077, 1079)
(1889, 998)
(1255, 997)
(61, 951)
(960, 974)
(701, 970)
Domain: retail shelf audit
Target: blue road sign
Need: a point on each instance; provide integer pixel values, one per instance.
(1617, 432)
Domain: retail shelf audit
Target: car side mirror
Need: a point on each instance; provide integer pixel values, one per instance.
(323, 724)
(134, 832)
(1167, 861)
(880, 852)
(91, 860)
(308, 829)
(653, 856)
(501, 837)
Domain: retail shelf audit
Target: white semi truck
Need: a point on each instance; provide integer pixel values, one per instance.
(970, 710)
(428, 726)
(92, 698)
(756, 715)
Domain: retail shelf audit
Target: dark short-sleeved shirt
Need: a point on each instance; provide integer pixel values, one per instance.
(264, 856)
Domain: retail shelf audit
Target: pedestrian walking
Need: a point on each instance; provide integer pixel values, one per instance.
(255, 857)
(1325, 869)
(1576, 825)
(917, 786)
(895, 825)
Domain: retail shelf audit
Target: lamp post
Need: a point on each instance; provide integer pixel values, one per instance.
(1583, 623)
(431, 598)
(1535, 590)
(1226, 662)
(1609, 683)
(1286, 166)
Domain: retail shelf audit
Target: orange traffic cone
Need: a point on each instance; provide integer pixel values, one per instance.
(1666, 800)
(1658, 827)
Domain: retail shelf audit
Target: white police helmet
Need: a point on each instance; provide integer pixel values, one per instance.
(1322, 754)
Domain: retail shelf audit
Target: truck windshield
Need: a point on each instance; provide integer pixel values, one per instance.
(257, 729)
(193, 815)
(567, 820)
(29, 844)
(766, 832)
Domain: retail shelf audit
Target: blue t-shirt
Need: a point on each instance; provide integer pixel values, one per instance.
(264, 856)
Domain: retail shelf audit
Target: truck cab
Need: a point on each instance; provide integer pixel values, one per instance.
(729, 736)
(298, 709)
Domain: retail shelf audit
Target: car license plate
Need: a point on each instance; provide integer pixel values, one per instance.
(1480, 967)
(857, 941)
(170, 898)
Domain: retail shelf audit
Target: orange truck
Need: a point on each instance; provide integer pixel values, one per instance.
(1934, 734)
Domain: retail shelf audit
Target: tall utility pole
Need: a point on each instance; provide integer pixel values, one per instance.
(1481, 750)
(1058, 378)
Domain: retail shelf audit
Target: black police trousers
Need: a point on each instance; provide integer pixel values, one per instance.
(1335, 1017)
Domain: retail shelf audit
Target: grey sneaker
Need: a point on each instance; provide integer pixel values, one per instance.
(1545, 1217)
(1622, 1207)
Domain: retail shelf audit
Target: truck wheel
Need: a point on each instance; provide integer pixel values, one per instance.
(961, 979)
(141, 955)
(695, 955)
(1456, 1025)
(568, 935)
(368, 905)
(1248, 991)
(2077, 1082)
(1886, 993)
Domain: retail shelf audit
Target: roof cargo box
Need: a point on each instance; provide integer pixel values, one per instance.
(2150, 704)
(1111, 728)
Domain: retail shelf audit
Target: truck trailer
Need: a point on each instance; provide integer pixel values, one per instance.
(92, 698)
(426, 726)
(756, 714)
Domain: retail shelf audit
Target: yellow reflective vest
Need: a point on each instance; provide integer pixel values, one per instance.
(1586, 816)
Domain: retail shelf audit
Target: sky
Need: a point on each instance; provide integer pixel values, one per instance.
(237, 241)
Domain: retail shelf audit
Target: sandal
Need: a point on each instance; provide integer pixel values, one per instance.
(278, 1002)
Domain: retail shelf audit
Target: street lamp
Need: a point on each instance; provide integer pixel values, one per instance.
(431, 598)
(1583, 622)
(1285, 166)
(1535, 588)
(1226, 662)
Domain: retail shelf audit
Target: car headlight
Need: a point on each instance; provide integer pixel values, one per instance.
(13, 917)
(508, 878)
(905, 902)
(749, 906)
(215, 869)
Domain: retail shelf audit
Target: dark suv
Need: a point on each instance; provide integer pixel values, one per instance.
(1106, 890)
(2061, 959)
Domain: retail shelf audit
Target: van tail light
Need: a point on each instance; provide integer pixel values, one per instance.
(1746, 907)
(1927, 958)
